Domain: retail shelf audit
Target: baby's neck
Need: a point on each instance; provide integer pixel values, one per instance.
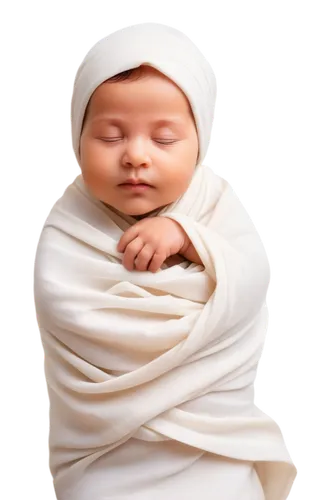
(136, 217)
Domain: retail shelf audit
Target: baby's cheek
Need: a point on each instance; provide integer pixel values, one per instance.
(99, 155)
(97, 163)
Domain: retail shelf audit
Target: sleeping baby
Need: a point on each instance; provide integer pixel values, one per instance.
(150, 290)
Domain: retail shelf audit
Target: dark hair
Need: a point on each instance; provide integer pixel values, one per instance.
(129, 74)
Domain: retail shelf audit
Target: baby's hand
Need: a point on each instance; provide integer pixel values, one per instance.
(149, 242)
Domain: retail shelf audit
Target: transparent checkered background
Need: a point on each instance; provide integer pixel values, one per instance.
(52, 195)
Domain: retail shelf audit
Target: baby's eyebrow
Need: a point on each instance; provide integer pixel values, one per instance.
(161, 121)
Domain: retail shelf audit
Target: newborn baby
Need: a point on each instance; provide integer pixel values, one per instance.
(150, 289)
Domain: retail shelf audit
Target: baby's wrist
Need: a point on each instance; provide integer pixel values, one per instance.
(189, 252)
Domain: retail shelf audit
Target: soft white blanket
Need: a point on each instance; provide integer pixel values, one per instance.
(138, 354)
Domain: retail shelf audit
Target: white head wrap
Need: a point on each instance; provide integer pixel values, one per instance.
(163, 47)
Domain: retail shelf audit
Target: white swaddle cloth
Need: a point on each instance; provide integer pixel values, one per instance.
(139, 362)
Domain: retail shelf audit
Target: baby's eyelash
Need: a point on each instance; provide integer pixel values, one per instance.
(165, 143)
(105, 139)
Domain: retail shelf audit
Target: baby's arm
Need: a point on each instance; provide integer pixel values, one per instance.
(190, 252)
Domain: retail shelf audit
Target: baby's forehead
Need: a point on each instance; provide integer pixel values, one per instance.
(119, 101)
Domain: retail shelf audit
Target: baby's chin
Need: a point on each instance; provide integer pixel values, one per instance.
(142, 216)
(146, 214)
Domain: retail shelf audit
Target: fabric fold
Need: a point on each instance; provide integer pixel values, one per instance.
(159, 356)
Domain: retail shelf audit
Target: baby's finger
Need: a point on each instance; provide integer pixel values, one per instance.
(131, 252)
(156, 261)
(127, 237)
(143, 258)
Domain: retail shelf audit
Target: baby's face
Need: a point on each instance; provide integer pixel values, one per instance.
(124, 137)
